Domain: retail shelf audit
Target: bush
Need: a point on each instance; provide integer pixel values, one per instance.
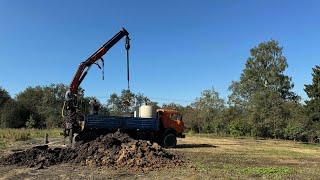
(31, 123)
(238, 128)
(295, 131)
(13, 115)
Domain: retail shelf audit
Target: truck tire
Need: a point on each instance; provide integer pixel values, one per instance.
(169, 140)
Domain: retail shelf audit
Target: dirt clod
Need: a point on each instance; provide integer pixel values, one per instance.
(111, 150)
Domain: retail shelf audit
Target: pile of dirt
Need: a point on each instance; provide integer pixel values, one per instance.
(111, 150)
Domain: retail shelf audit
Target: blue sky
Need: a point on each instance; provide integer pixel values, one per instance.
(178, 48)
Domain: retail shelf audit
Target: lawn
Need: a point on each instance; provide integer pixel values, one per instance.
(216, 157)
(206, 157)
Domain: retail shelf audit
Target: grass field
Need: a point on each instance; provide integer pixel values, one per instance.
(19, 138)
(206, 157)
(25, 134)
(250, 158)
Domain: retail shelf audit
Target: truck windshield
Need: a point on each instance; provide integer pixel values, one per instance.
(176, 117)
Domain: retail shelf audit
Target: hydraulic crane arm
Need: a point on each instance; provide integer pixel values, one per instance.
(71, 103)
(85, 65)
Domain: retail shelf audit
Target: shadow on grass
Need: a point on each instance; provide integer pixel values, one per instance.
(181, 146)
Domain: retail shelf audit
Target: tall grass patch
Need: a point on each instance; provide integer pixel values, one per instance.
(25, 134)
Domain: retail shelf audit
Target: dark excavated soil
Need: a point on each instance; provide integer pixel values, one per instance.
(111, 150)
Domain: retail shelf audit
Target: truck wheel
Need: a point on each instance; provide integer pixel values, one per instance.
(169, 140)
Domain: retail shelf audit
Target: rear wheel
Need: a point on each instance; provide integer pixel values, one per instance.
(169, 140)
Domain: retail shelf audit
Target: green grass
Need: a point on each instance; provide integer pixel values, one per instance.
(308, 145)
(2, 144)
(250, 158)
(270, 171)
(267, 170)
(283, 153)
(227, 158)
(217, 136)
(26, 134)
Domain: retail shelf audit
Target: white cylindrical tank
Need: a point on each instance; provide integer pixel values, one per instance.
(136, 112)
(147, 111)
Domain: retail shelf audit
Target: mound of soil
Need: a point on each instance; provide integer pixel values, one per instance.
(112, 150)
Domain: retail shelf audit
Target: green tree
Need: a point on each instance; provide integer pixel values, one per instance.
(31, 98)
(51, 104)
(4, 97)
(262, 90)
(127, 101)
(313, 92)
(190, 120)
(313, 104)
(140, 100)
(114, 103)
(238, 127)
(234, 122)
(45, 103)
(124, 102)
(208, 108)
(13, 115)
(175, 106)
(297, 126)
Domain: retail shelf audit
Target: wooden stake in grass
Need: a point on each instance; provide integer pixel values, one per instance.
(46, 141)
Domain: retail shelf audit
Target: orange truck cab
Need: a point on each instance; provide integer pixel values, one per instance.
(171, 127)
(171, 120)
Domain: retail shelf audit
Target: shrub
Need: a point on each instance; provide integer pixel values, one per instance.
(238, 128)
(13, 115)
(31, 123)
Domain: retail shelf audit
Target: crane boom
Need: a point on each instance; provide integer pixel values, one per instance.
(85, 65)
(71, 104)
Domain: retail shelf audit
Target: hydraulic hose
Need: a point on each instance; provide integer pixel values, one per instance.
(62, 111)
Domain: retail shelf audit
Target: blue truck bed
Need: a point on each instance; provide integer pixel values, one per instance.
(124, 123)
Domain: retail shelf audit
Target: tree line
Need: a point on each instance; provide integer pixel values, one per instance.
(261, 103)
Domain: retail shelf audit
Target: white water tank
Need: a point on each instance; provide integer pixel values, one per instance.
(147, 111)
(136, 112)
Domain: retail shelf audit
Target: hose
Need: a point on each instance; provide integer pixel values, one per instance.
(62, 111)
